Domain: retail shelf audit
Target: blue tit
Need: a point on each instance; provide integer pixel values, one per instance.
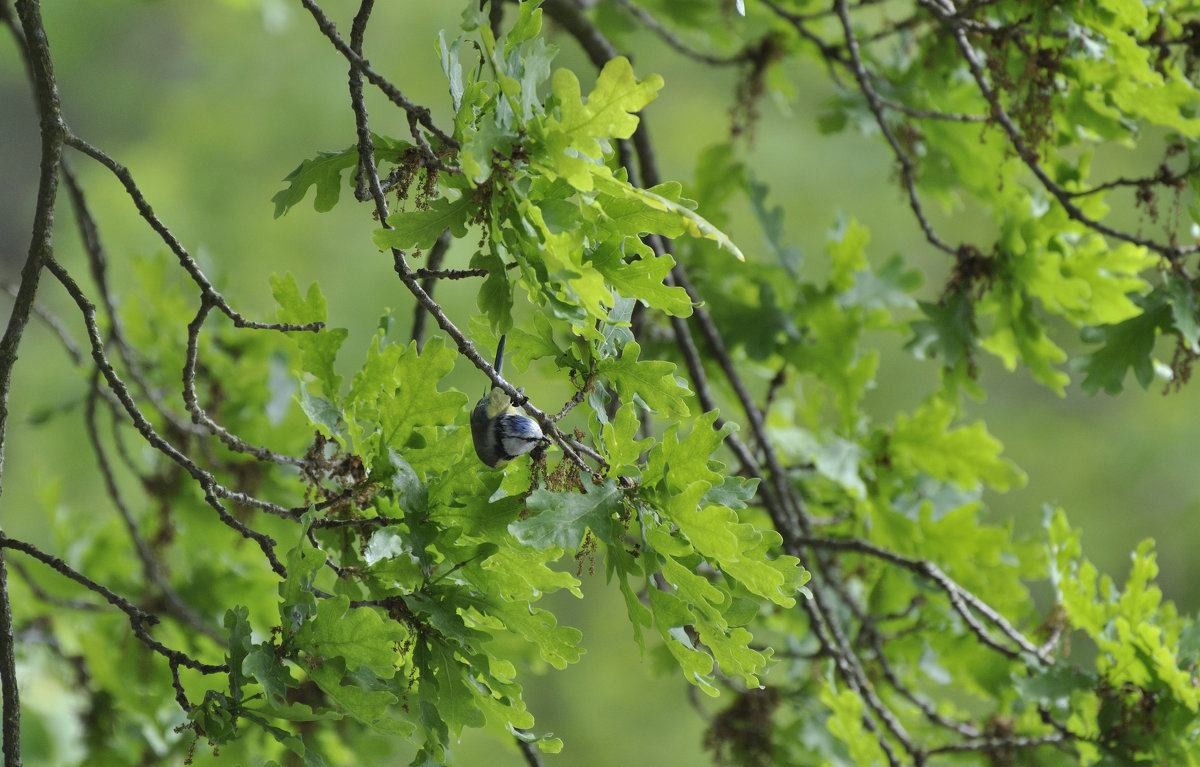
(499, 431)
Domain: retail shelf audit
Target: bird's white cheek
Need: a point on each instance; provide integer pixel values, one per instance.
(518, 446)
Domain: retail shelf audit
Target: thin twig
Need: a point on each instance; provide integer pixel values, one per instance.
(419, 114)
(870, 629)
(150, 567)
(533, 757)
(799, 22)
(366, 145)
(994, 744)
(672, 40)
(89, 234)
(200, 416)
(180, 695)
(52, 322)
(961, 599)
(1164, 177)
(908, 169)
(426, 274)
(40, 593)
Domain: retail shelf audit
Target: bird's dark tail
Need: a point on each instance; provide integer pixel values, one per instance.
(500, 354)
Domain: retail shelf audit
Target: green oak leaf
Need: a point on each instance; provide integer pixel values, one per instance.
(325, 173)
(271, 673)
(609, 107)
(948, 332)
(653, 381)
(237, 623)
(1183, 299)
(359, 636)
(421, 228)
(561, 519)
(446, 686)
(318, 351)
(641, 279)
(966, 456)
(1125, 346)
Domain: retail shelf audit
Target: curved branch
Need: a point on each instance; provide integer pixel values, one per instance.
(185, 259)
(150, 567)
(201, 417)
(961, 599)
(139, 619)
(908, 169)
(208, 483)
(671, 39)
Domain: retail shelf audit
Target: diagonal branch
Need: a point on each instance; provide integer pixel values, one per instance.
(963, 601)
(139, 620)
(89, 234)
(185, 259)
(150, 567)
(908, 168)
(417, 113)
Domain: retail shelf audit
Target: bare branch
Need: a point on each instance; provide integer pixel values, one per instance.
(42, 594)
(89, 233)
(428, 274)
(54, 323)
(139, 620)
(185, 259)
(961, 599)
(419, 114)
(206, 480)
(528, 750)
(672, 40)
(31, 40)
(908, 169)
(150, 567)
(996, 744)
(429, 277)
(199, 416)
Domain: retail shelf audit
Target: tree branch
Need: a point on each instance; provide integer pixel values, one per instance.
(417, 113)
(139, 620)
(185, 259)
(1026, 153)
(206, 480)
(31, 39)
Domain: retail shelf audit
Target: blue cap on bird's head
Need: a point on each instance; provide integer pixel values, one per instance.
(499, 432)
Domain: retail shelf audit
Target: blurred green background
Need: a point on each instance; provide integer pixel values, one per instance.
(210, 105)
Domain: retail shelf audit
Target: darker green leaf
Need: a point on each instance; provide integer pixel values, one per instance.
(1125, 346)
(325, 173)
(237, 623)
(948, 332)
(562, 519)
(1182, 297)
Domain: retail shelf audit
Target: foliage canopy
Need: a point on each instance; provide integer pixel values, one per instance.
(367, 588)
